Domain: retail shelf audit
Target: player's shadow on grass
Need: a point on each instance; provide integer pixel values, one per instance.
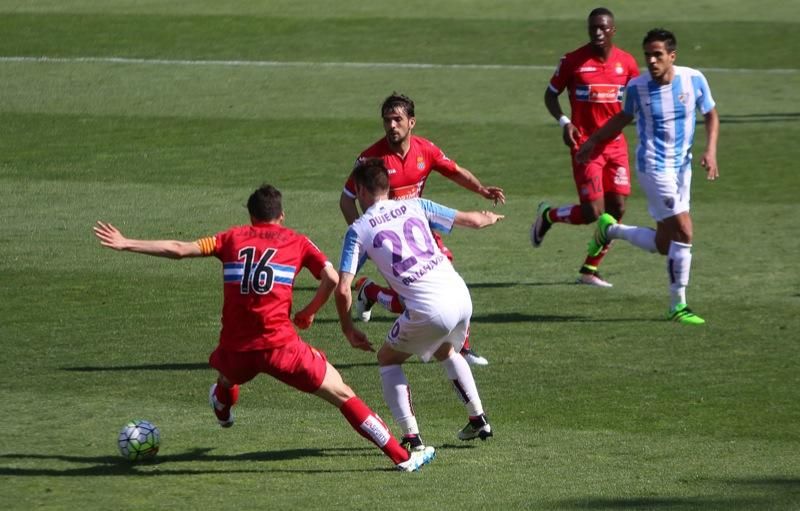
(495, 285)
(516, 317)
(772, 492)
(175, 367)
(163, 463)
(188, 366)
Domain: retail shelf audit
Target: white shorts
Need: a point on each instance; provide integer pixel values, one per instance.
(667, 192)
(421, 333)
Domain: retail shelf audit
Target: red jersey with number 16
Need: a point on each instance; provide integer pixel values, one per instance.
(407, 175)
(595, 86)
(259, 264)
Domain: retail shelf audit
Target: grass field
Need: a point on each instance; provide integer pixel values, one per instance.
(162, 117)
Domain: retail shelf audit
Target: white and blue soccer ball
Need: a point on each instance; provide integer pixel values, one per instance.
(139, 440)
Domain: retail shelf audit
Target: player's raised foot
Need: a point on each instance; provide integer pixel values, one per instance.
(600, 238)
(224, 413)
(683, 314)
(591, 277)
(363, 304)
(541, 225)
(478, 427)
(417, 459)
(473, 358)
(413, 443)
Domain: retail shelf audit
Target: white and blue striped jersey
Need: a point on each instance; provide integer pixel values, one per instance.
(665, 118)
(396, 235)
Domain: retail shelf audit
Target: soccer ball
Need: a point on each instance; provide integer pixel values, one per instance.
(138, 440)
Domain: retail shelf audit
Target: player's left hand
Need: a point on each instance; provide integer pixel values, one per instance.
(303, 320)
(709, 162)
(358, 339)
(495, 194)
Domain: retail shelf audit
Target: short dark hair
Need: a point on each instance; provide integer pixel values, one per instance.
(371, 173)
(601, 11)
(663, 35)
(265, 204)
(395, 101)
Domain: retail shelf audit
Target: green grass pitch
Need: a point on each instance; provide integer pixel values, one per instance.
(598, 403)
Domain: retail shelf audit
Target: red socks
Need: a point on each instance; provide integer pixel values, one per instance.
(572, 214)
(226, 396)
(592, 262)
(388, 300)
(370, 426)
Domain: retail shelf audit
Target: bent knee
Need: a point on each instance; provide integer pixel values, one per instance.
(591, 212)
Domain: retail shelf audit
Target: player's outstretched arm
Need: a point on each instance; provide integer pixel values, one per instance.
(709, 160)
(344, 300)
(328, 280)
(111, 237)
(467, 179)
(476, 219)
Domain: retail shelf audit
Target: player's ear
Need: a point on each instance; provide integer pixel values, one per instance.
(412, 121)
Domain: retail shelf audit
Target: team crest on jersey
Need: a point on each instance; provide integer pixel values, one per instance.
(683, 97)
(420, 163)
(618, 68)
(391, 171)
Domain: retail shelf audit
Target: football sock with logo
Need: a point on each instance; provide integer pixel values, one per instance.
(370, 426)
(679, 262)
(397, 395)
(390, 301)
(571, 214)
(642, 237)
(460, 374)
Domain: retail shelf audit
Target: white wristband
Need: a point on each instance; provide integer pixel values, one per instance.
(563, 121)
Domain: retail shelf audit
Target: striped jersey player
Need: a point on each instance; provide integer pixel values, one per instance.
(664, 104)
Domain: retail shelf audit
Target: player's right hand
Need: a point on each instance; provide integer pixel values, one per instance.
(571, 136)
(358, 339)
(109, 235)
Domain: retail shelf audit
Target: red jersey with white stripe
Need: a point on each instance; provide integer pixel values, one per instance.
(596, 86)
(407, 175)
(260, 263)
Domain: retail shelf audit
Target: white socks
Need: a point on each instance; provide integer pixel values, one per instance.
(679, 262)
(460, 374)
(642, 237)
(398, 397)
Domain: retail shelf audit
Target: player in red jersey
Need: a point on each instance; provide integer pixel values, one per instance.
(260, 262)
(410, 159)
(595, 76)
